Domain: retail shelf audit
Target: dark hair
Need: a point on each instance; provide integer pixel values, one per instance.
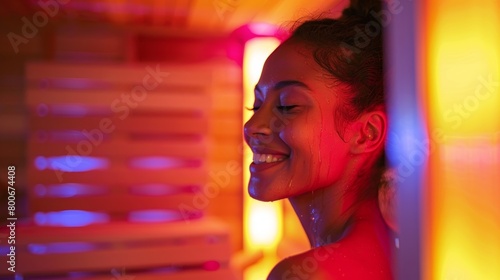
(350, 50)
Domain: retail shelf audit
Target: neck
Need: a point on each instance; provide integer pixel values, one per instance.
(327, 216)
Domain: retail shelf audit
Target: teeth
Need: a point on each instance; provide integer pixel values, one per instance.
(267, 158)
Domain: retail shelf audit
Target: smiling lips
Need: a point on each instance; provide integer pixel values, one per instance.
(267, 158)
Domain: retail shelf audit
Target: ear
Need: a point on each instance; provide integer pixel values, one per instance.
(370, 132)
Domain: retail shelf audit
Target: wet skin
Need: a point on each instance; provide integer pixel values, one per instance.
(299, 154)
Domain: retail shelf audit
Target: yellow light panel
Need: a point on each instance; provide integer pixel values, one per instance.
(262, 220)
(461, 68)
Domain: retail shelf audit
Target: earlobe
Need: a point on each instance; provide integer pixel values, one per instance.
(370, 134)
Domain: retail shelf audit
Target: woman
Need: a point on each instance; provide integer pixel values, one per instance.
(318, 134)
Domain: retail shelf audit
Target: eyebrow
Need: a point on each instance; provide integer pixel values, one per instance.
(286, 83)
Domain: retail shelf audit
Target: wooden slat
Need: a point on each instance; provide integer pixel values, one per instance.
(175, 176)
(122, 149)
(104, 43)
(235, 185)
(220, 127)
(129, 257)
(234, 223)
(229, 102)
(121, 203)
(227, 76)
(225, 150)
(111, 100)
(145, 124)
(178, 75)
(121, 232)
(223, 273)
(129, 245)
(227, 202)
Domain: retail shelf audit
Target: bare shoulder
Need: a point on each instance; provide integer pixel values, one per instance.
(334, 261)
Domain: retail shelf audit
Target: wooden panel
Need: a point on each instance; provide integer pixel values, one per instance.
(166, 122)
(111, 100)
(225, 147)
(105, 44)
(123, 245)
(229, 102)
(171, 75)
(121, 148)
(120, 176)
(227, 127)
(133, 123)
(223, 151)
(120, 273)
(151, 256)
(122, 203)
(116, 233)
(174, 121)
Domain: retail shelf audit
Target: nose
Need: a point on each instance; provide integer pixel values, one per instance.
(258, 127)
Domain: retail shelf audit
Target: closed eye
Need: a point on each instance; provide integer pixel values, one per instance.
(285, 109)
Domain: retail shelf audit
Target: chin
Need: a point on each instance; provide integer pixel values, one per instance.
(262, 194)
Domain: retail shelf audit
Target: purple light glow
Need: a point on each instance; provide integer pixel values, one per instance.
(154, 216)
(162, 163)
(70, 218)
(68, 190)
(71, 163)
(60, 248)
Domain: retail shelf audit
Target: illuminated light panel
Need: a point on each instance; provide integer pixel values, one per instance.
(154, 216)
(262, 221)
(462, 71)
(162, 163)
(70, 218)
(260, 216)
(61, 248)
(71, 163)
(68, 190)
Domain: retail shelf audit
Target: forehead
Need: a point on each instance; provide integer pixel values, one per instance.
(290, 61)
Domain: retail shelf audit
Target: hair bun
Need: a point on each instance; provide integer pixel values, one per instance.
(362, 8)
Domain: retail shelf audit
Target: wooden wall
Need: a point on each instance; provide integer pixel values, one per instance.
(94, 43)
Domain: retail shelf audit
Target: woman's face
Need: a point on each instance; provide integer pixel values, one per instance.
(292, 133)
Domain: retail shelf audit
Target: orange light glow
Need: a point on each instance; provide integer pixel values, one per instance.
(461, 70)
(262, 221)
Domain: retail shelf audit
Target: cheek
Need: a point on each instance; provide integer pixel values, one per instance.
(313, 150)
(329, 155)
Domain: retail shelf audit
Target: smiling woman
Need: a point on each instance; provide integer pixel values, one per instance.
(318, 133)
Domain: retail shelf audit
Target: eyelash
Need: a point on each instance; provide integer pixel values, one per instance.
(286, 108)
(281, 108)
